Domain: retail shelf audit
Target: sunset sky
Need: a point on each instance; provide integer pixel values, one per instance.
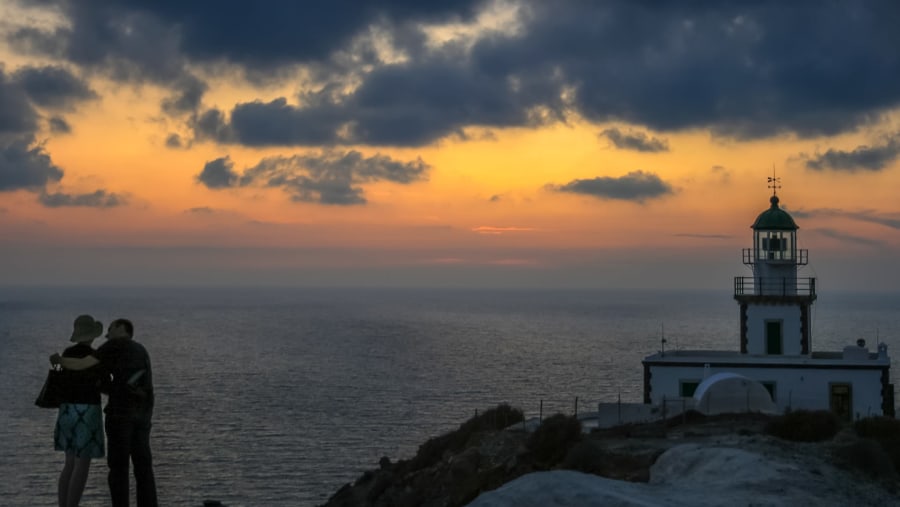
(531, 143)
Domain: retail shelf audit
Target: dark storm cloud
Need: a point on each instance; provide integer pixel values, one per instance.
(330, 177)
(24, 163)
(218, 173)
(417, 104)
(123, 41)
(53, 87)
(96, 199)
(17, 116)
(126, 40)
(277, 123)
(26, 166)
(188, 93)
(261, 34)
(869, 216)
(636, 141)
(392, 107)
(743, 69)
(862, 158)
(635, 186)
(211, 125)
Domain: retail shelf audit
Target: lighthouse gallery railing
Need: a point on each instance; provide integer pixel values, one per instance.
(799, 256)
(750, 286)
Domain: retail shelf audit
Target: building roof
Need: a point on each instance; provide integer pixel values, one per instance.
(775, 219)
(718, 358)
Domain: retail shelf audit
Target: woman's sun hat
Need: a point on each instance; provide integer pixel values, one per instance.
(86, 328)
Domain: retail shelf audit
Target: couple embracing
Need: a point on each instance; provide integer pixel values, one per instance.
(119, 368)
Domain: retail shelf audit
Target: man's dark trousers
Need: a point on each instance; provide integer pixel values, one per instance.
(130, 437)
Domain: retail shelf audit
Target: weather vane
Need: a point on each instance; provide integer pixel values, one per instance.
(774, 182)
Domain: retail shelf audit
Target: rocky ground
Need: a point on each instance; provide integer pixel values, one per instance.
(727, 460)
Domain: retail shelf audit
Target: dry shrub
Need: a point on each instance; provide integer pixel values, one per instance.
(587, 456)
(885, 431)
(868, 457)
(880, 428)
(805, 426)
(552, 439)
(494, 419)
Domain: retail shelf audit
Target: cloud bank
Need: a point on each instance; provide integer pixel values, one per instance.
(329, 177)
(376, 74)
(637, 186)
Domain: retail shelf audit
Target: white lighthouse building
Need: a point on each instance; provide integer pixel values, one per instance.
(776, 343)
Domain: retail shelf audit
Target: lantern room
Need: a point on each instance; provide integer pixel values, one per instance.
(775, 235)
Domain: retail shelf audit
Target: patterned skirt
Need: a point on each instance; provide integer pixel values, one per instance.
(79, 429)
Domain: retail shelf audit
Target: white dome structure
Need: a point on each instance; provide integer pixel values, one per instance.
(725, 393)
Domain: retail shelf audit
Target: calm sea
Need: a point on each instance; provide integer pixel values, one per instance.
(278, 397)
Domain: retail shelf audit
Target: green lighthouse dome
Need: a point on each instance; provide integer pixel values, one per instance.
(774, 219)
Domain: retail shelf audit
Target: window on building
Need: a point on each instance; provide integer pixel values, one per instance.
(688, 387)
(770, 386)
(773, 337)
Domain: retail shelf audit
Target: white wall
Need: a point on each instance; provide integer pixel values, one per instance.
(796, 389)
(757, 315)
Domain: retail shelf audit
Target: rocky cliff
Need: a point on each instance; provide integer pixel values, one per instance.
(492, 460)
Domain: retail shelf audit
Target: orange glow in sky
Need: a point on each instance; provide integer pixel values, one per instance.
(495, 150)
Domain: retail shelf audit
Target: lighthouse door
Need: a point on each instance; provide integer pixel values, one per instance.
(840, 402)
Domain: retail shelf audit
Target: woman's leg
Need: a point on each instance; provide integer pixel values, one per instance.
(78, 480)
(62, 490)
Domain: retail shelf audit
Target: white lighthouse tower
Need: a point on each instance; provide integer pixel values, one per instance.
(775, 303)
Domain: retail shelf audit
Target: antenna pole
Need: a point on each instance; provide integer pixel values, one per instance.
(774, 182)
(662, 341)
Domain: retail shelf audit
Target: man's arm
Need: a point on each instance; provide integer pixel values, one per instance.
(74, 363)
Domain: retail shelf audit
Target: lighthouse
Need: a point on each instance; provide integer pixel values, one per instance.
(775, 302)
(775, 367)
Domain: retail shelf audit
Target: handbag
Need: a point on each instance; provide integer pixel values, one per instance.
(52, 393)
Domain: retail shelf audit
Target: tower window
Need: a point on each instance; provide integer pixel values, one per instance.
(773, 337)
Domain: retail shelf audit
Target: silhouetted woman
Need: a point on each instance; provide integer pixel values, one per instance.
(79, 424)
